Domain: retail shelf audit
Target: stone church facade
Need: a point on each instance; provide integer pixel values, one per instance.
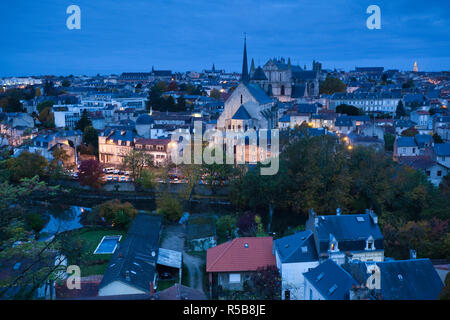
(286, 82)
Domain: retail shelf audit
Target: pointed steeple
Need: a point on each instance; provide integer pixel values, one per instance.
(289, 63)
(252, 67)
(213, 68)
(245, 77)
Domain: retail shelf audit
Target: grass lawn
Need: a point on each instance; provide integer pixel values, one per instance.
(164, 284)
(95, 263)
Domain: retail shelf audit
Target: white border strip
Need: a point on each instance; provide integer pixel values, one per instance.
(108, 237)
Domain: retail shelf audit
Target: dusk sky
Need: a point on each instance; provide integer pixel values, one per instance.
(134, 35)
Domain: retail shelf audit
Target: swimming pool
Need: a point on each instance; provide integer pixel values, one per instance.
(108, 245)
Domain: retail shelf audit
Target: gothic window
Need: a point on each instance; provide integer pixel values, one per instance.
(282, 90)
(241, 99)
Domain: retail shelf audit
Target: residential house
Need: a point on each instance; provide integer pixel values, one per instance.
(132, 269)
(328, 281)
(159, 149)
(230, 264)
(295, 254)
(114, 145)
(405, 147)
(355, 236)
(442, 153)
(414, 279)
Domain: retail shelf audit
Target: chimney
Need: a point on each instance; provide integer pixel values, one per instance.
(372, 215)
(127, 275)
(312, 215)
(412, 254)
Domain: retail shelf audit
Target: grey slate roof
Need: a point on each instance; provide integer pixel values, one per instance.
(350, 230)
(144, 119)
(329, 275)
(343, 121)
(259, 74)
(298, 247)
(241, 114)
(258, 93)
(414, 279)
(136, 256)
(442, 149)
(406, 142)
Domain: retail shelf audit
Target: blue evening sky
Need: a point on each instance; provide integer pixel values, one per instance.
(132, 35)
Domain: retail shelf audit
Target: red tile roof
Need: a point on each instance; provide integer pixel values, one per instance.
(235, 256)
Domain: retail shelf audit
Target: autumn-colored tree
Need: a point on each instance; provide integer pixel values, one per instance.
(90, 173)
(265, 283)
(27, 165)
(410, 132)
(169, 206)
(172, 86)
(117, 214)
(136, 161)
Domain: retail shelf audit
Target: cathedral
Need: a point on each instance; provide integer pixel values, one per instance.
(249, 106)
(286, 82)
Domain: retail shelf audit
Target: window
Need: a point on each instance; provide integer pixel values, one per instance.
(241, 98)
(235, 278)
(428, 173)
(310, 294)
(439, 173)
(287, 295)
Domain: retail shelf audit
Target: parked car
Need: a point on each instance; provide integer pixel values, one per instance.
(109, 178)
(123, 179)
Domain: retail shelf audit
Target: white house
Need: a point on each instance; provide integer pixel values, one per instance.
(295, 254)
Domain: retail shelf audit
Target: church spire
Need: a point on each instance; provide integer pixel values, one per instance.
(252, 66)
(245, 77)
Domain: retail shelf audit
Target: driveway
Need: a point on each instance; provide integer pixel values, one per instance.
(173, 238)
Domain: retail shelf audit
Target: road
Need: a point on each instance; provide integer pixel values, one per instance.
(173, 238)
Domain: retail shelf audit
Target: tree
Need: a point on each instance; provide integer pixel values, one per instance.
(169, 207)
(172, 86)
(389, 140)
(47, 118)
(66, 83)
(332, 85)
(437, 138)
(38, 92)
(84, 121)
(49, 88)
(445, 294)
(60, 159)
(27, 165)
(11, 104)
(410, 132)
(247, 224)
(265, 283)
(147, 179)
(348, 110)
(400, 111)
(44, 104)
(90, 173)
(90, 138)
(215, 94)
(225, 227)
(37, 257)
(136, 161)
(117, 214)
(181, 103)
(408, 84)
